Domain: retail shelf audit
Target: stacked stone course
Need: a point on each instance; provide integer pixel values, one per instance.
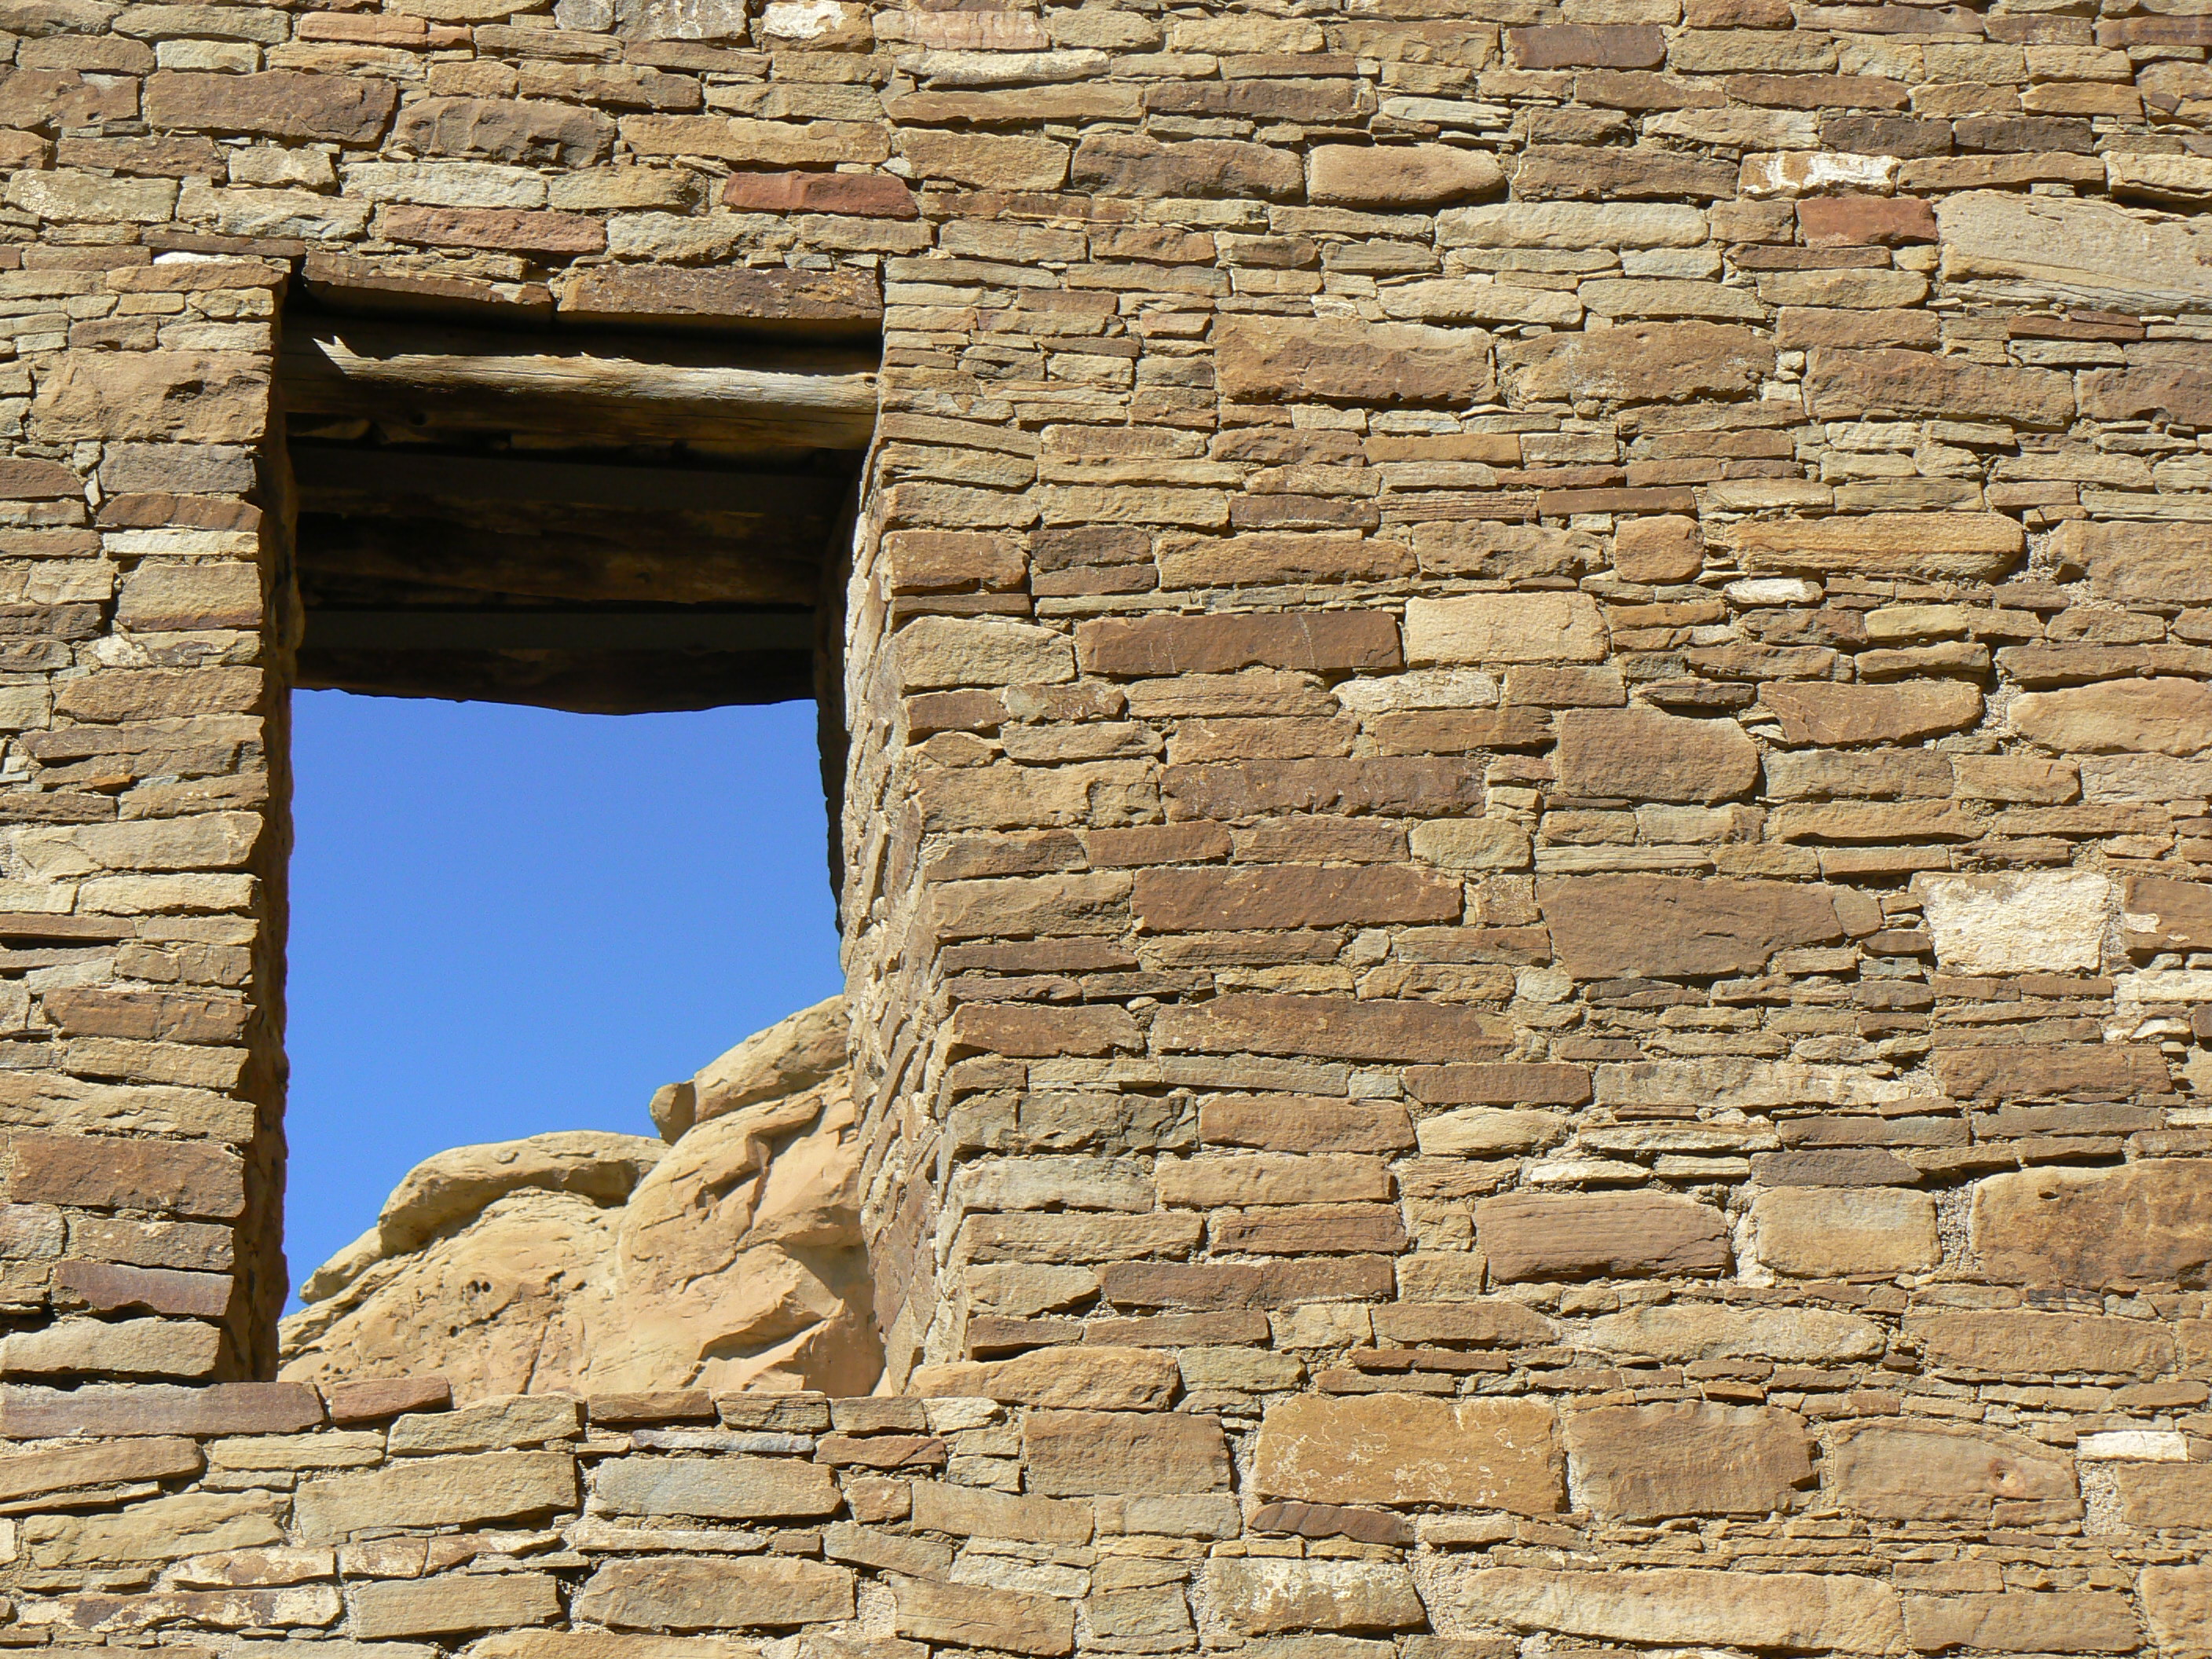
(1527, 687)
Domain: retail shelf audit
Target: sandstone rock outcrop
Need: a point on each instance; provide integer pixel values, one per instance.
(728, 1257)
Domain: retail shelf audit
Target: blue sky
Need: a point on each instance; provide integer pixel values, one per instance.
(508, 920)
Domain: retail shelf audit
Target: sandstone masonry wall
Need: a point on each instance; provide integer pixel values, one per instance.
(1526, 689)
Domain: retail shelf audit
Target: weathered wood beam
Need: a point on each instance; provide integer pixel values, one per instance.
(778, 563)
(329, 474)
(589, 388)
(559, 631)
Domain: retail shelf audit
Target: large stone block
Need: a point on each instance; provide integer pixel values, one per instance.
(727, 1488)
(2164, 1495)
(349, 109)
(1825, 714)
(1130, 164)
(2161, 914)
(1997, 1072)
(1398, 175)
(1290, 896)
(31, 1474)
(187, 1523)
(972, 1616)
(1923, 1471)
(2017, 1343)
(1686, 1331)
(176, 397)
(2141, 1226)
(437, 1492)
(1953, 546)
(1407, 1449)
(2032, 921)
(695, 1593)
(1816, 1233)
(2081, 253)
(2176, 1603)
(980, 1512)
(2023, 1622)
(1637, 363)
(1843, 383)
(1291, 360)
(1673, 1607)
(453, 1604)
(1556, 1235)
(1603, 926)
(2139, 563)
(1645, 755)
(1505, 627)
(1263, 1597)
(1077, 1453)
(1647, 1462)
(2162, 716)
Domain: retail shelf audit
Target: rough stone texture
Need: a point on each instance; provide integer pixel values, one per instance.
(1396, 1449)
(1552, 1235)
(1648, 1462)
(1298, 433)
(586, 1260)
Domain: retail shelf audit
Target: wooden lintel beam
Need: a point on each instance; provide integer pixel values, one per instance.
(558, 630)
(591, 389)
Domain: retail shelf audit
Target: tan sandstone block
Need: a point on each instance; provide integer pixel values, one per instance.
(1505, 627)
(1920, 1471)
(954, 651)
(1283, 359)
(1603, 926)
(2041, 1345)
(689, 1592)
(1826, 714)
(189, 1523)
(727, 1488)
(179, 397)
(1796, 1611)
(453, 1603)
(1944, 546)
(971, 1616)
(1074, 1454)
(2147, 1224)
(2178, 1606)
(1646, 1462)
(1403, 1449)
(1684, 1330)
(2164, 716)
(1263, 1597)
(2155, 1495)
(2139, 563)
(437, 1492)
(1636, 362)
(2023, 1622)
(1815, 1232)
(1082, 1378)
(1564, 1235)
(989, 161)
(980, 1512)
(566, 1644)
(29, 1474)
(1645, 755)
(1398, 175)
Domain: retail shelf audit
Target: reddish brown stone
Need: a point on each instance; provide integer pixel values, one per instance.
(38, 481)
(349, 109)
(1604, 926)
(1077, 1454)
(164, 512)
(1843, 383)
(1647, 1462)
(1226, 1286)
(1029, 1031)
(106, 1172)
(106, 1286)
(1299, 1123)
(1559, 1235)
(1289, 896)
(664, 1405)
(32, 1473)
(1994, 1071)
(1820, 713)
(1130, 164)
(505, 228)
(147, 1016)
(1333, 1521)
(1301, 1230)
(1456, 731)
(1335, 1028)
(530, 131)
(1326, 640)
(1584, 46)
(862, 195)
(2165, 914)
(159, 1408)
(1412, 786)
(1862, 220)
(1637, 363)
(814, 301)
(372, 1400)
(2156, 389)
(1500, 1083)
(63, 98)
(1292, 360)
(880, 1451)
(2144, 1224)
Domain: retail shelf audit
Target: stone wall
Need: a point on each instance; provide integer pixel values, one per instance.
(1526, 689)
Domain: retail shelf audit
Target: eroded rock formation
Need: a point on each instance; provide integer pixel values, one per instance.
(726, 1256)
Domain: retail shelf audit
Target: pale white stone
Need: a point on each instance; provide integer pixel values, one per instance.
(1817, 172)
(2149, 778)
(2029, 921)
(2172, 985)
(1570, 225)
(2083, 251)
(1773, 590)
(1424, 688)
(2133, 1446)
